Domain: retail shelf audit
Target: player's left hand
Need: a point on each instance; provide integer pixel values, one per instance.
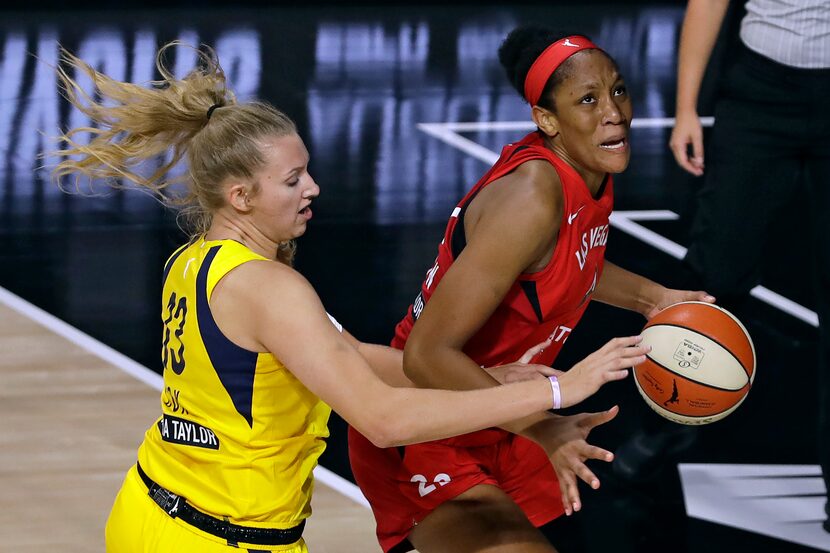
(670, 296)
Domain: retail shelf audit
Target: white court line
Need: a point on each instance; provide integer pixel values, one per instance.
(624, 220)
(785, 502)
(340, 484)
(441, 132)
(85, 341)
(142, 373)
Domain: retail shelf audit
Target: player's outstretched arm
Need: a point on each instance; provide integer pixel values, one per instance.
(610, 362)
(564, 438)
(265, 306)
(387, 363)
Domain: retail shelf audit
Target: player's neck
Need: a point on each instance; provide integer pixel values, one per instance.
(593, 179)
(226, 228)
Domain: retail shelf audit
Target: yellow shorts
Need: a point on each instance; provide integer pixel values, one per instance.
(137, 525)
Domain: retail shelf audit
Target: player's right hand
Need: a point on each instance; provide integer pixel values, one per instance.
(608, 363)
(688, 132)
(565, 441)
(568, 449)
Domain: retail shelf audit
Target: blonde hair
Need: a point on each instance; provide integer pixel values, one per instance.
(135, 124)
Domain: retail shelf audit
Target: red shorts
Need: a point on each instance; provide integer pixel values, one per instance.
(403, 485)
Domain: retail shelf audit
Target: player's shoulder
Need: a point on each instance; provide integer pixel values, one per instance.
(540, 180)
(534, 189)
(538, 170)
(260, 280)
(532, 177)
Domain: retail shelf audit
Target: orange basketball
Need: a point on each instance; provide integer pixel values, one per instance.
(701, 366)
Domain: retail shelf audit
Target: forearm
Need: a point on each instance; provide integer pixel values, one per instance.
(433, 365)
(425, 370)
(627, 290)
(701, 25)
(416, 415)
(387, 363)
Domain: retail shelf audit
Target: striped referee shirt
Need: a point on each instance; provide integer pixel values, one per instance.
(791, 32)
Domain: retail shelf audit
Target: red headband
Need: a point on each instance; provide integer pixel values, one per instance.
(548, 61)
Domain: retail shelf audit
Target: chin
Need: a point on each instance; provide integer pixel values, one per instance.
(300, 231)
(287, 236)
(616, 166)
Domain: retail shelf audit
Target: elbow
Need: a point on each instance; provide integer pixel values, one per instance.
(414, 366)
(386, 433)
(382, 422)
(381, 440)
(390, 424)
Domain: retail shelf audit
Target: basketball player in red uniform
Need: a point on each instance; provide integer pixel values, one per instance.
(522, 255)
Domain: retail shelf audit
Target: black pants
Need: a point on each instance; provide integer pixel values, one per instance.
(771, 136)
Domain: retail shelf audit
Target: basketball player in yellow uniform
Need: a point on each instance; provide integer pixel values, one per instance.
(252, 362)
(206, 446)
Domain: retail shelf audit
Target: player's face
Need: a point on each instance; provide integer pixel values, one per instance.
(281, 205)
(594, 114)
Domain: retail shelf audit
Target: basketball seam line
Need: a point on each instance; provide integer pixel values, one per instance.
(726, 349)
(695, 381)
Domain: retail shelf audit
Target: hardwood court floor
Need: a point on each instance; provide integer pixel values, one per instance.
(71, 425)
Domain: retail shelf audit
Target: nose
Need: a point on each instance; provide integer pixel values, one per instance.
(611, 112)
(312, 190)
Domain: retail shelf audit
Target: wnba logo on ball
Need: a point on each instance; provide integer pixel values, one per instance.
(681, 336)
(689, 354)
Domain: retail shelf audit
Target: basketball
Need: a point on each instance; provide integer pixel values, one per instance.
(701, 365)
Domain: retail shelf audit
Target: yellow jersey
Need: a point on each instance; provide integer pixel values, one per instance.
(239, 435)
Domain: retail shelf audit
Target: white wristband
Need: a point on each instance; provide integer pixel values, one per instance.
(557, 394)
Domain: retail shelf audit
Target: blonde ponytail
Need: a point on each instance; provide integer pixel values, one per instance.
(135, 124)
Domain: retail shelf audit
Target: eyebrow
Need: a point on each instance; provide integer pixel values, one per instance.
(299, 169)
(594, 84)
(293, 173)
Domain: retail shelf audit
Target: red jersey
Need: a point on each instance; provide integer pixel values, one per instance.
(549, 302)
(403, 488)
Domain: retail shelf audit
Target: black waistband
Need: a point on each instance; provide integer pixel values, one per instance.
(177, 507)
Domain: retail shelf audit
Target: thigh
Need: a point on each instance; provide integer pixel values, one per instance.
(380, 474)
(137, 525)
(403, 485)
(482, 519)
(127, 519)
(525, 473)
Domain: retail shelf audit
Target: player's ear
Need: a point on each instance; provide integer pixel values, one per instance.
(238, 196)
(546, 120)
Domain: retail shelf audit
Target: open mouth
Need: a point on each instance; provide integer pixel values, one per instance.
(306, 211)
(614, 145)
